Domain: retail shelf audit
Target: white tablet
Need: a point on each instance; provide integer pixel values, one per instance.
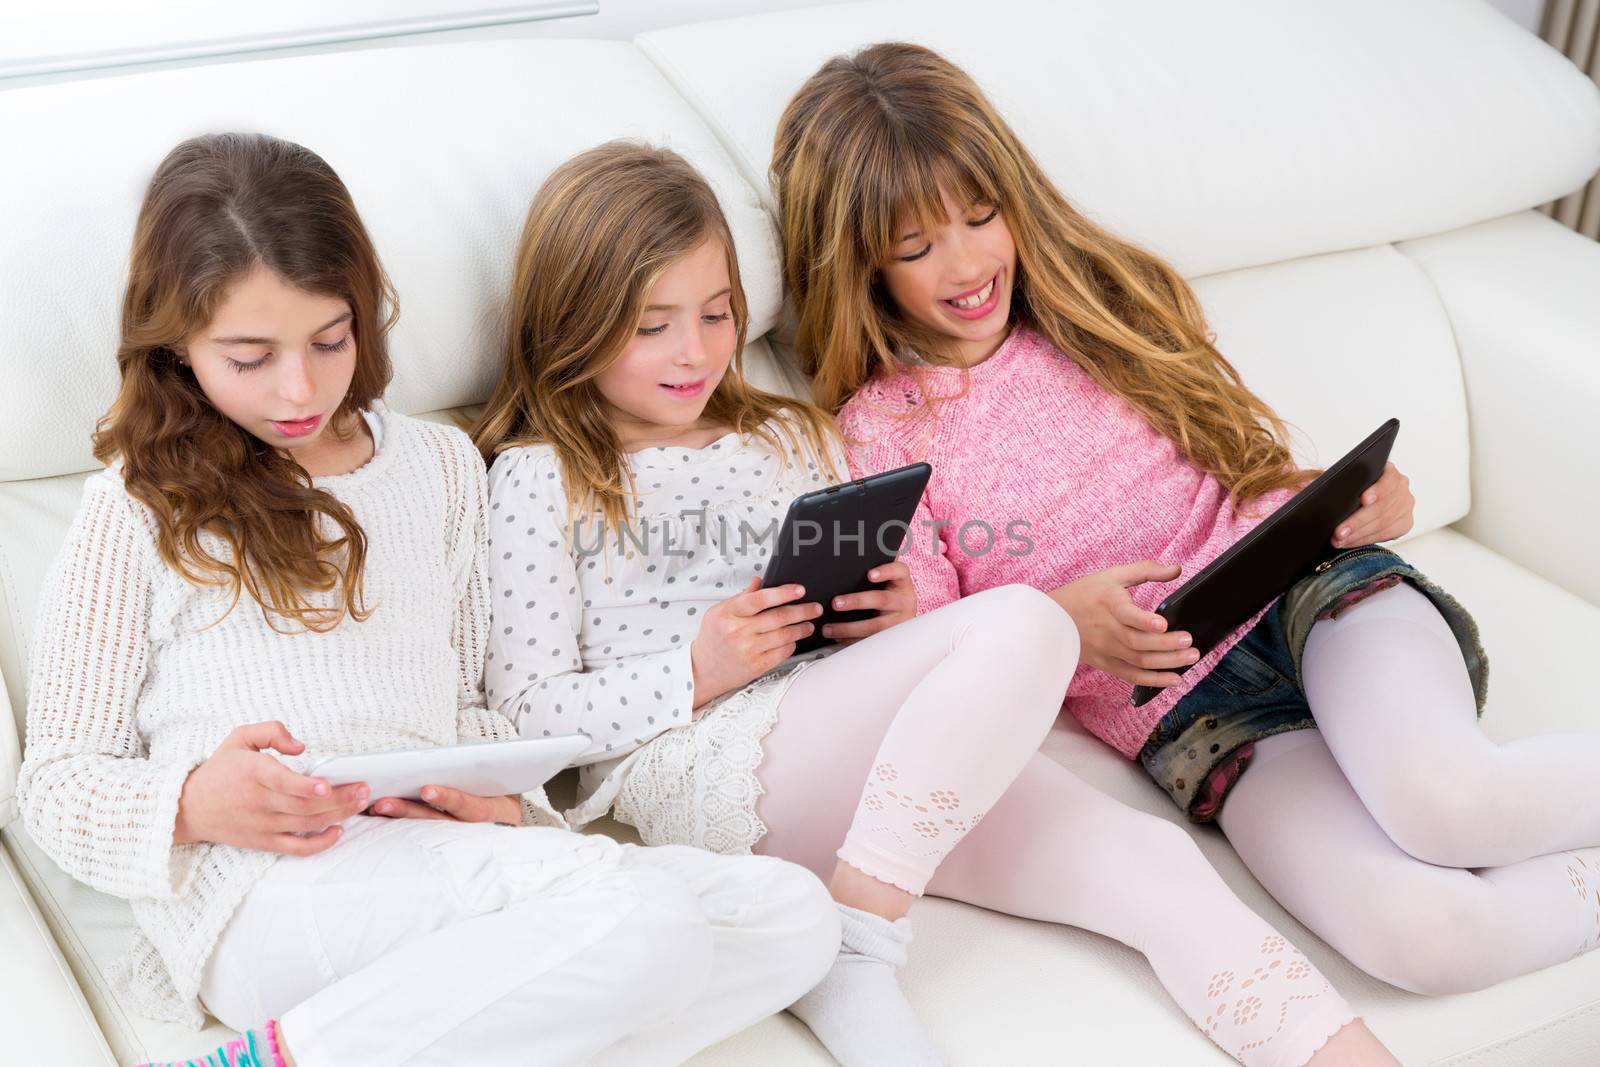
(484, 768)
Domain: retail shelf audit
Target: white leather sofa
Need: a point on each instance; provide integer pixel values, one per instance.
(1349, 186)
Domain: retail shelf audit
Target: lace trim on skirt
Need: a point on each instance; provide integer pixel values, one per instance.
(696, 785)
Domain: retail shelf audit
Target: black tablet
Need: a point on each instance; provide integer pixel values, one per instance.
(1265, 562)
(832, 537)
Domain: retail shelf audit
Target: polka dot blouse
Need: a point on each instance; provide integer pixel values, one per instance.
(591, 631)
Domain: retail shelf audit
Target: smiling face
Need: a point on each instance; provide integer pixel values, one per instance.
(277, 361)
(957, 279)
(656, 390)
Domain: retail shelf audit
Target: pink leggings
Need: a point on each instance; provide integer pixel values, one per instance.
(913, 756)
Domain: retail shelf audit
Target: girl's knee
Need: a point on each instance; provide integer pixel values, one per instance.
(778, 912)
(1160, 858)
(1436, 942)
(1030, 622)
(1414, 961)
(671, 951)
(803, 922)
(1437, 815)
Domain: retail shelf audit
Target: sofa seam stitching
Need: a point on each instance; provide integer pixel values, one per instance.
(1508, 1042)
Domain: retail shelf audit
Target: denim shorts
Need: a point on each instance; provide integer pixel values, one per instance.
(1200, 748)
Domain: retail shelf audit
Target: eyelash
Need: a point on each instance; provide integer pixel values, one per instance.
(652, 331)
(246, 368)
(975, 223)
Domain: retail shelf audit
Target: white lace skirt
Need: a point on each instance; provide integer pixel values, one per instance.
(696, 785)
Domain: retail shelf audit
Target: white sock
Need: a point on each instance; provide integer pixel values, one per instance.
(857, 1011)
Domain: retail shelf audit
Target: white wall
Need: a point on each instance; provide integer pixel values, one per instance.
(621, 19)
(97, 38)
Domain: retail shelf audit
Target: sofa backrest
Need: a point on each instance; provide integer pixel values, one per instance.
(441, 146)
(1221, 135)
(1271, 151)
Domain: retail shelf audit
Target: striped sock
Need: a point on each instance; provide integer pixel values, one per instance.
(255, 1048)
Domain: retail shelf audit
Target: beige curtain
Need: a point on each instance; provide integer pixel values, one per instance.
(1573, 26)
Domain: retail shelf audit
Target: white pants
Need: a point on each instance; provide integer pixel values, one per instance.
(420, 942)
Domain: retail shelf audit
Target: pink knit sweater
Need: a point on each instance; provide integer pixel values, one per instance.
(1069, 479)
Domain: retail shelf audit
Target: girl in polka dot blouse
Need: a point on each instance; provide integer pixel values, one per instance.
(636, 486)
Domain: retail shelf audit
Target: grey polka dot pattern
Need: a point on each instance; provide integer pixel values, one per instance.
(705, 522)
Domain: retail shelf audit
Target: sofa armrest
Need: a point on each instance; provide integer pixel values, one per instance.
(1523, 296)
(44, 1017)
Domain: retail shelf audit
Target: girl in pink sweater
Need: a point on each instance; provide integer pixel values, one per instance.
(1087, 439)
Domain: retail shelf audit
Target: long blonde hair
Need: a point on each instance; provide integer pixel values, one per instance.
(870, 139)
(604, 226)
(219, 206)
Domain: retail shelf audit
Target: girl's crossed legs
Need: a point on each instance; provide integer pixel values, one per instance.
(1426, 853)
(941, 717)
(420, 942)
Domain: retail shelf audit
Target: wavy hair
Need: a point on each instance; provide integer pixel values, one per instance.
(867, 143)
(218, 207)
(604, 226)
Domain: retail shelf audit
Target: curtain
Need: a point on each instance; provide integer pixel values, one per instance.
(1573, 27)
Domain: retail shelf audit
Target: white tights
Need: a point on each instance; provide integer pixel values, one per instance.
(956, 703)
(1426, 853)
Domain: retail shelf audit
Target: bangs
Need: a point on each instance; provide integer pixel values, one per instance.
(902, 189)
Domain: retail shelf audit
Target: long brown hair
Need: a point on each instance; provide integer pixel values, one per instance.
(869, 140)
(603, 227)
(218, 207)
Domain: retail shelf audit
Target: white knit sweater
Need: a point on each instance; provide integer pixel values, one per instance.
(134, 682)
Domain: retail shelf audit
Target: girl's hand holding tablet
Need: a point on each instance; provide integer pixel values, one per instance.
(895, 603)
(1386, 512)
(241, 796)
(452, 805)
(1119, 637)
(747, 635)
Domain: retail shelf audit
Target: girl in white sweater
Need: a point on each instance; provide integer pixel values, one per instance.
(275, 561)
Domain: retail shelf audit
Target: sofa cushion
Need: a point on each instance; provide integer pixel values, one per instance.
(442, 148)
(1225, 134)
(996, 989)
(41, 1005)
(1338, 343)
(1523, 296)
(34, 517)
